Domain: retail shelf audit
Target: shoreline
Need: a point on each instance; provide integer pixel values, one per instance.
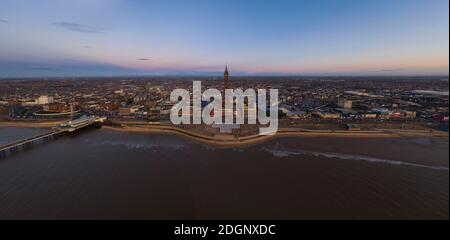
(282, 133)
(37, 124)
(230, 141)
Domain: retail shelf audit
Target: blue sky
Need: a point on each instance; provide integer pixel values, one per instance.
(323, 37)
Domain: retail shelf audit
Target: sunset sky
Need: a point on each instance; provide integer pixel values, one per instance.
(315, 37)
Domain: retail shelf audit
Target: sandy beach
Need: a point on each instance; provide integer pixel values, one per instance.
(230, 141)
(30, 124)
(256, 139)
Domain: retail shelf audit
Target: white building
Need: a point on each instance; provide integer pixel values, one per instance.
(42, 100)
(344, 103)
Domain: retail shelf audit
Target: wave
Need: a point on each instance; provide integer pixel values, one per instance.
(281, 152)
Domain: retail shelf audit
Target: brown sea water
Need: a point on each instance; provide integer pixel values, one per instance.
(101, 174)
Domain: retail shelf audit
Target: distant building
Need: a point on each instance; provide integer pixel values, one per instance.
(27, 102)
(131, 110)
(58, 107)
(43, 100)
(110, 106)
(440, 118)
(408, 114)
(363, 94)
(291, 112)
(225, 78)
(381, 112)
(346, 111)
(327, 115)
(140, 98)
(123, 111)
(401, 114)
(344, 103)
(370, 115)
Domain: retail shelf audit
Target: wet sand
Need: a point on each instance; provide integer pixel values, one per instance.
(246, 140)
(281, 133)
(29, 124)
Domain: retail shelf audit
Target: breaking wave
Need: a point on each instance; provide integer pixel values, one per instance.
(281, 152)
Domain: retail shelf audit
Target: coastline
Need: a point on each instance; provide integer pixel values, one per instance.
(256, 139)
(230, 141)
(29, 124)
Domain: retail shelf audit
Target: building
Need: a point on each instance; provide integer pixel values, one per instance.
(406, 113)
(370, 115)
(225, 79)
(327, 115)
(124, 111)
(131, 110)
(43, 100)
(110, 106)
(225, 111)
(58, 107)
(344, 103)
(291, 112)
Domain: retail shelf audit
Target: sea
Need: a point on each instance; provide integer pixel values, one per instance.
(107, 174)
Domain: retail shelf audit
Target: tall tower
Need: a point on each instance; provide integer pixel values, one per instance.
(225, 79)
(225, 87)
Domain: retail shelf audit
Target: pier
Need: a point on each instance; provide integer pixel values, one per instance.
(67, 127)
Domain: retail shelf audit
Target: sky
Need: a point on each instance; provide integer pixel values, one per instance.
(252, 37)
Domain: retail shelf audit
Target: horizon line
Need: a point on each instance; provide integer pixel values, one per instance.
(216, 75)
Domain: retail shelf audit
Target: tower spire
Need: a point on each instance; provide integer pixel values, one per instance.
(226, 71)
(225, 78)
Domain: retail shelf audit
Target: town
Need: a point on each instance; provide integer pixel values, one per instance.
(317, 103)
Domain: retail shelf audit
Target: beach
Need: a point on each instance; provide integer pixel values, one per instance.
(224, 140)
(285, 132)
